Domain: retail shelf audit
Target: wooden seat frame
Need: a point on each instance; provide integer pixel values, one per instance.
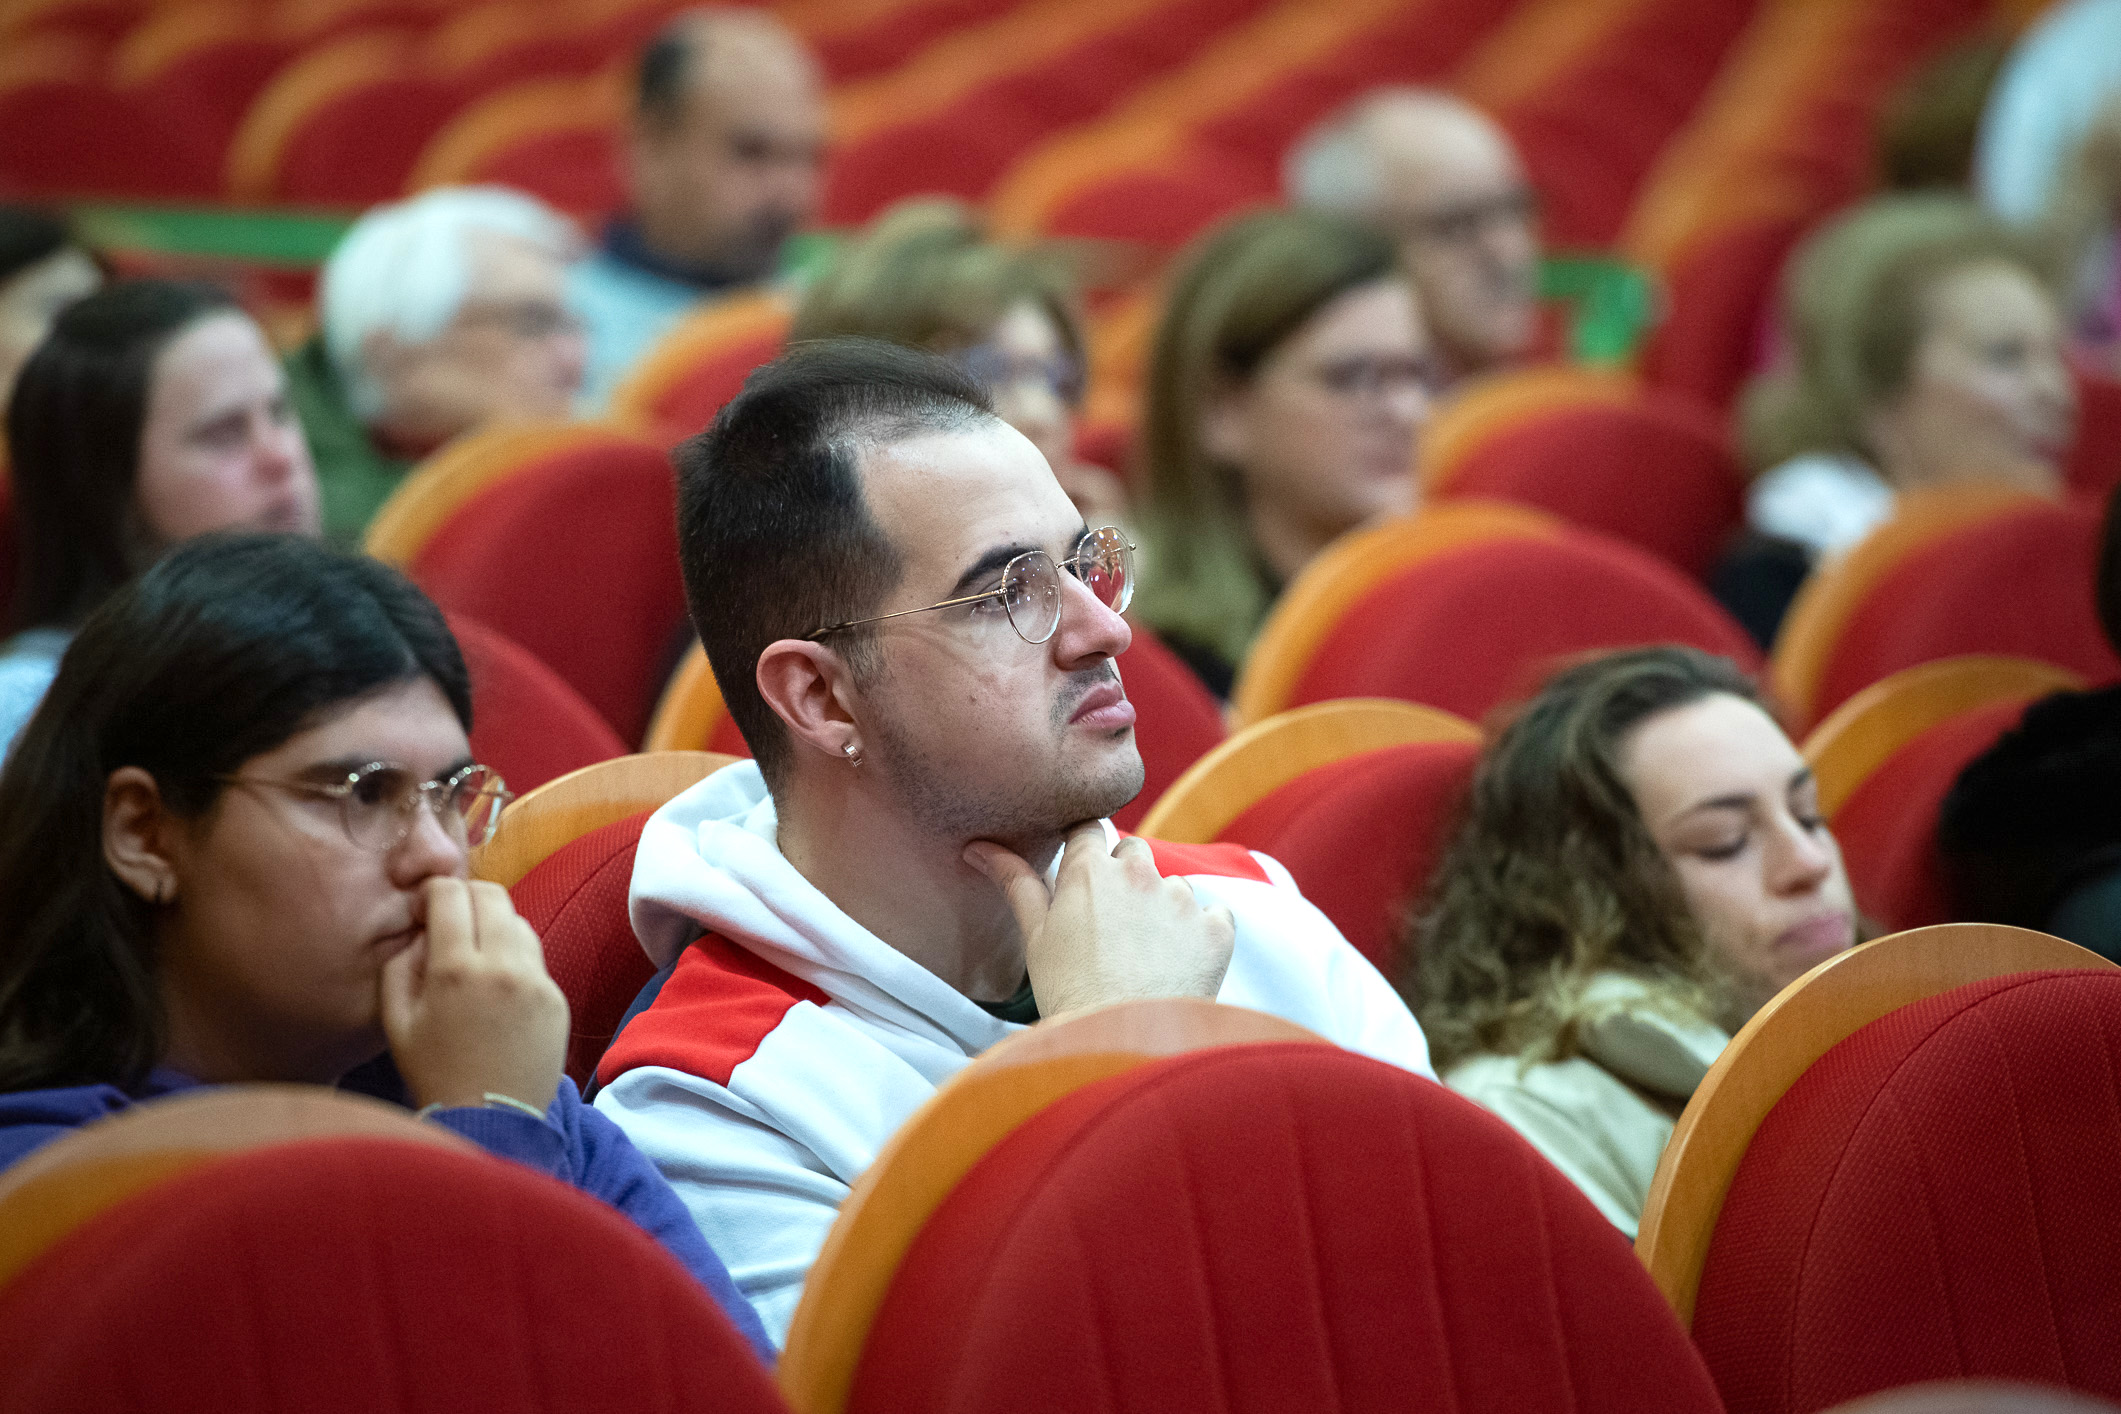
(568, 807)
(690, 708)
(1264, 757)
(1804, 1021)
(967, 1116)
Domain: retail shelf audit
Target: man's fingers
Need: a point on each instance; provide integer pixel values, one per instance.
(400, 990)
(1020, 884)
(493, 915)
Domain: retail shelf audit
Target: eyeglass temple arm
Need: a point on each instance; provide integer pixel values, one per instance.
(901, 613)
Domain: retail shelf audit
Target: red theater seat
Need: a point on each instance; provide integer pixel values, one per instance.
(1929, 1201)
(527, 723)
(563, 538)
(1270, 1227)
(1717, 290)
(366, 1274)
(1655, 470)
(1362, 835)
(674, 389)
(1472, 625)
(2094, 465)
(1177, 721)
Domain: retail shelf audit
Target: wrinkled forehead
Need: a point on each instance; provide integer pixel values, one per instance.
(947, 498)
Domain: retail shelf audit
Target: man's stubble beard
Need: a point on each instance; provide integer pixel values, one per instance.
(1020, 814)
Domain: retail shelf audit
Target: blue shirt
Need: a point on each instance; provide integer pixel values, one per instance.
(574, 1144)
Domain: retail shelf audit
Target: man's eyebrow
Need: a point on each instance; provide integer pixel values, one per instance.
(987, 564)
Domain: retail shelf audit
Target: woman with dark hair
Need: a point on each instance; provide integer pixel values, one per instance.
(234, 848)
(154, 411)
(1289, 378)
(1641, 865)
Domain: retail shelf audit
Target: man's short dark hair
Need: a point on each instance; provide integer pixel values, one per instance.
(659, 79)
(774, 534)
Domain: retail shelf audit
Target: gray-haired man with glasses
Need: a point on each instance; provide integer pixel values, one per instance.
(920, 639)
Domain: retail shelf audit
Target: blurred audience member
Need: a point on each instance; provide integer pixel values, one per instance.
(1641, 865)
(925, 275)
(725, 158)
(1289, 379)
(439, 315)
(1926, 134)
(235, 849)
(1927, 352)
(2030, 832)
(154, 411)
(1445, 181)
(42, 271)
(2049, 158)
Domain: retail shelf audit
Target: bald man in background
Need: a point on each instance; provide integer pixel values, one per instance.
(724, 158)
(1446, 182)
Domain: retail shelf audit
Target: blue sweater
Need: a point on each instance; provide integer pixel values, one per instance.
(575, 1144)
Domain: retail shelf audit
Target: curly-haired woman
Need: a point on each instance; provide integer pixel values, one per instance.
(1642, 864)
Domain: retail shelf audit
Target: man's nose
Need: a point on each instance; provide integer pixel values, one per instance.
(1089, 629)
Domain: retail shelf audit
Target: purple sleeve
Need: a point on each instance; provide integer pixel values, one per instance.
(582, 1148)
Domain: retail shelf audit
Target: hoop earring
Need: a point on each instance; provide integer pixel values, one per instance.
(161, 892)
(854, 757)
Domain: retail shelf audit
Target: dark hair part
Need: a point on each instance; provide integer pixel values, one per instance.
(73, 443)
(1551, 874)
(659, 79)
(773, 531)
(28, 235)
(224, 650)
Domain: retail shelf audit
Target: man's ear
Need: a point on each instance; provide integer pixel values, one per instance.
(809, 688)
(136, 830)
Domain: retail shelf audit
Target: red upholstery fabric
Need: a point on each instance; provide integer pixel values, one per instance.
(1482, 624)
(576, 558)
(1888, 828)
(1271, 1227)
(361, 1274)
(1718, 291)
(1657, 473)
(2019, 583)
(689, 404)
(1932, 1199)
(527, 723)
(575, 169)
(70, 133)
(576, 900)
(901, 32)
(1176, 720)
(2094, 465)
(1362, 835)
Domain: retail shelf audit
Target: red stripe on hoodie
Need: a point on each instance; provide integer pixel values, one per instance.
(720, 1003)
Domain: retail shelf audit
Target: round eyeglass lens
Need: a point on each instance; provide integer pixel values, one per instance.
(1032, 595)
(1106, 564)
(476, 804)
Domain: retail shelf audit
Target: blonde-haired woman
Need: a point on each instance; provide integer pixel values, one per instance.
(1928, 351)
(1289, 379)
(925, 275)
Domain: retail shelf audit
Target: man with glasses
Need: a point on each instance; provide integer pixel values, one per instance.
(918, 635)
(1445, 181)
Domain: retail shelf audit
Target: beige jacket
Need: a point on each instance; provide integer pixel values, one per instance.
(1604, 1116)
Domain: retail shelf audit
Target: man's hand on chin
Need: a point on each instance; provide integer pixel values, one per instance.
(1111, 928)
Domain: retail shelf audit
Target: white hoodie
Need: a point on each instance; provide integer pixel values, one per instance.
(790, 1042)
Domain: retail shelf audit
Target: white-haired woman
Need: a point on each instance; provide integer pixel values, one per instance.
(439, 315)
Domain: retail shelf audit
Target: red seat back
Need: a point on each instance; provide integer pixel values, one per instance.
(1657, 473)
(2094, 465)
(1268, 1227)
(1930, 1200)
(1362, 835)
(1479, 625)
(527, 723)
(1887, 827)
(364, 1274)
(2017, 583)
(576, 900)
(1176, 720)
(1718, 291)
(574, 557)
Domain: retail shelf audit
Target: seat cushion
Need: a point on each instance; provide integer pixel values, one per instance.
(1482, 624)
(365, 1274)
(1362, 835)
(1933, 1199)
(527, 723)
(1271, 1227)
(576, 900)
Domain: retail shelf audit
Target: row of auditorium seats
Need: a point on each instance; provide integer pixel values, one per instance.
(1036, 1236)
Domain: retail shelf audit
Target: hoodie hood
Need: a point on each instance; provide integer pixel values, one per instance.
(749, 893)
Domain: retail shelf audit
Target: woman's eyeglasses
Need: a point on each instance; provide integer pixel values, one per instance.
(1030, 591)
(379, 803)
